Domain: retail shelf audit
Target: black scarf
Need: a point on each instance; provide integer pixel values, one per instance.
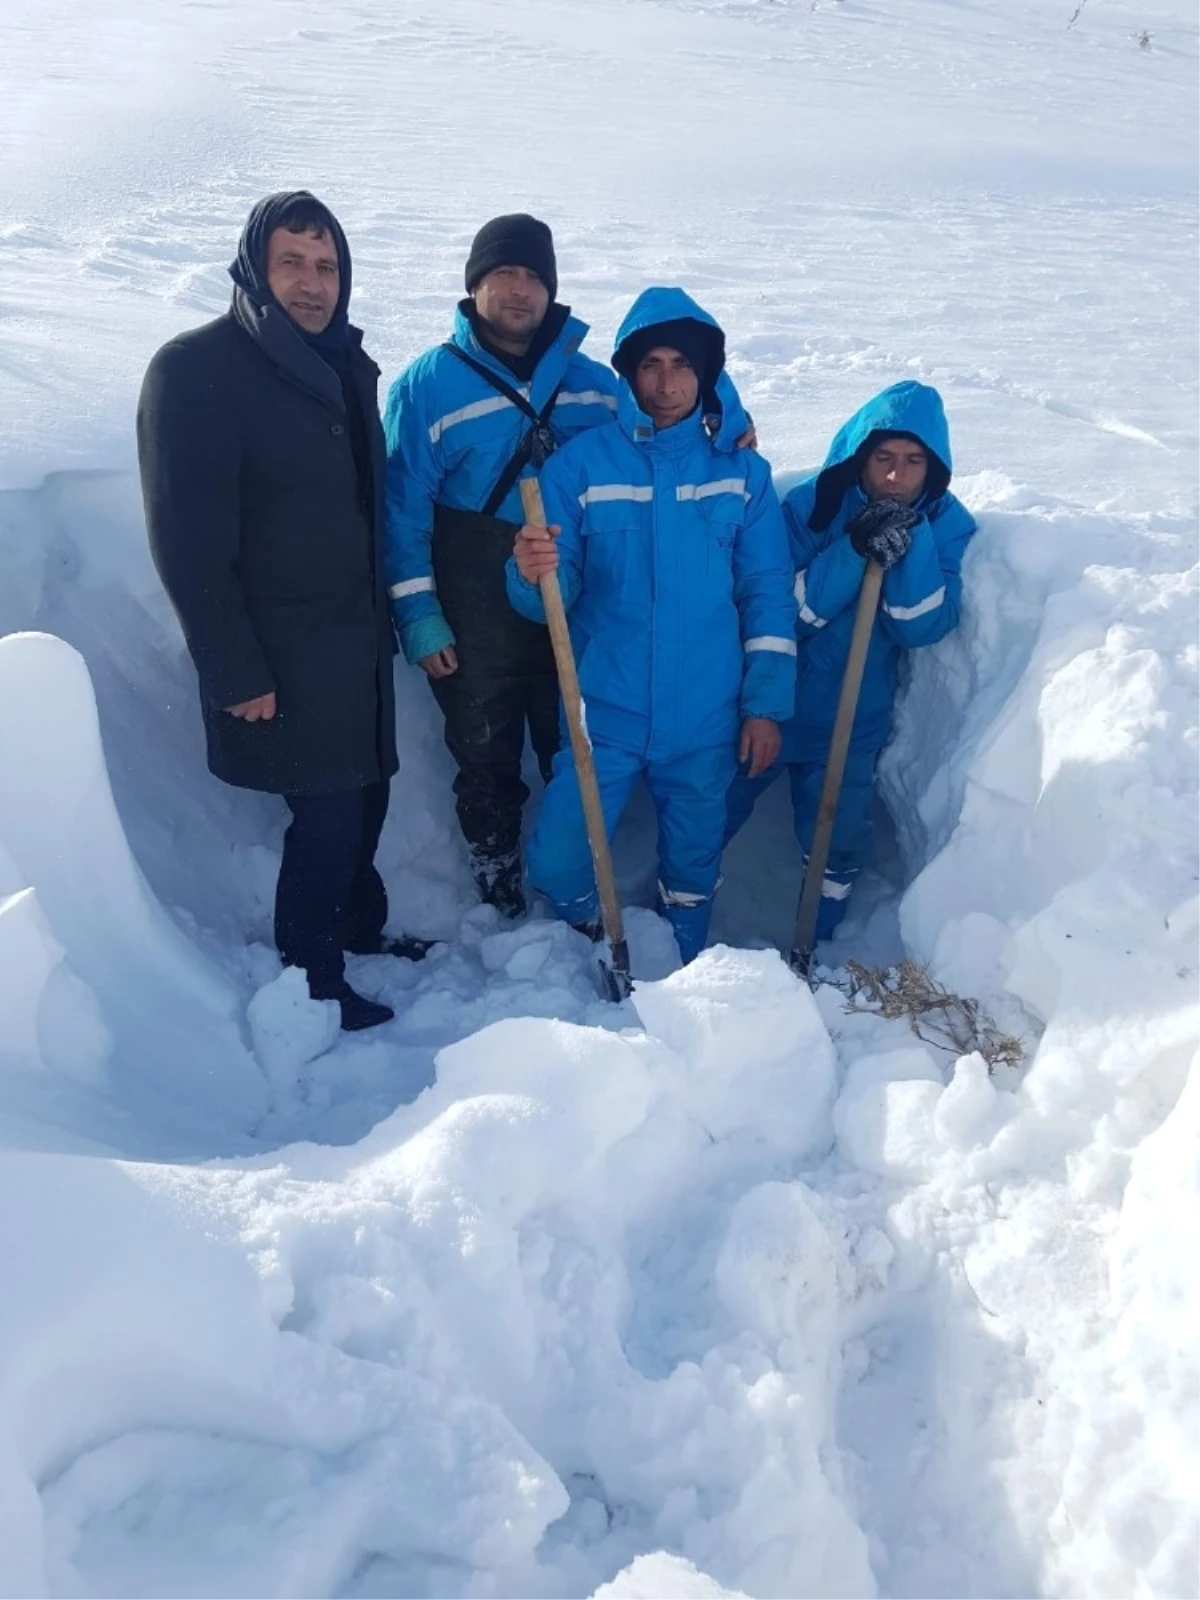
(333, 344)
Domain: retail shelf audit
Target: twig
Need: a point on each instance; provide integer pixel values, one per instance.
(935, 1014)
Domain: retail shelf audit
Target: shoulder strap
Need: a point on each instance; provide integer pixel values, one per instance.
(536, 442)
(494, 378)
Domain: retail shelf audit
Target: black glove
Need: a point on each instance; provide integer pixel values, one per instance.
(880, 531)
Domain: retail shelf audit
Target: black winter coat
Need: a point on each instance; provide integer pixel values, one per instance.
(270, 551)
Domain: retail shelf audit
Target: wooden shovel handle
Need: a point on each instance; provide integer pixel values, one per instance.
(835, 768)
(581, 745)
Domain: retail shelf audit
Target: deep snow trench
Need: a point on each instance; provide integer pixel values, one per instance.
(210, 854)
(685, 1287)
(730, 1289)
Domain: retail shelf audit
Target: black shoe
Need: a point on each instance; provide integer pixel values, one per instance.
(404, 947)
(357, 1011)
(499, 885)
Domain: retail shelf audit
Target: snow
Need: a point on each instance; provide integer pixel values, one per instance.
(729, 1290)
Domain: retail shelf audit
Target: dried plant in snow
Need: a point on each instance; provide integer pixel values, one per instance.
(935, 1014)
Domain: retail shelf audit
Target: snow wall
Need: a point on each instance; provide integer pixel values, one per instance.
(730, 1288)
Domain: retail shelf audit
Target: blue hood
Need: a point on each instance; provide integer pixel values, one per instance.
(726, 416)
(906, 407)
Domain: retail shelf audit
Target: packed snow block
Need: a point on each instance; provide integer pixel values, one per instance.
(566, 1065)
(885, 1114)
(522, 1121)
(758, 1059)
(659, 1575)
(970, 1112)
(896, 1117)
(48, 1017)
(289, 1028)
(178, 1060)
(521, 953)
(142, 1365)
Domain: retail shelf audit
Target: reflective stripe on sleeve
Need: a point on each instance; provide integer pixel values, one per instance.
(807, 614)
(477, 408)
(771, 641)
(921, 609)
(401, 591)
(586, 397)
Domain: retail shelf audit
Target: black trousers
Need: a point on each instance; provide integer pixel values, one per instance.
(329, 897)
(486, 719)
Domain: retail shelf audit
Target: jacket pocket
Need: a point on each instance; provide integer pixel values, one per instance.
(613, 549)
(722, 518)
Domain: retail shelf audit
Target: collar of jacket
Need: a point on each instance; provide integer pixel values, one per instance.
(723, 427)
(662, 441)
(853, 501)
(273, 332)
(552, 364)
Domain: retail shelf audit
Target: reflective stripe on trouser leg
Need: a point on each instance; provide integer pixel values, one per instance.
(835, 893)
(689, 795)
(689, 915)
(853, 832)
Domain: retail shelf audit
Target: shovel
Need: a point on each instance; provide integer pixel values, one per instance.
(616, 979)
(804, 938)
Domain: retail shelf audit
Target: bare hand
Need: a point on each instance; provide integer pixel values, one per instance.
(760, 746)
(748, 440)
(441, 663)
(535, 552)
(260, 710)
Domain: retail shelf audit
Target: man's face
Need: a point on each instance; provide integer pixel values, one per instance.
(895, 470)
(666, 385)
(303, 275)
(513, 301)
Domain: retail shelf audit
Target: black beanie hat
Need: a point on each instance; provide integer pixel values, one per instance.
(704, 346)
(518, 240)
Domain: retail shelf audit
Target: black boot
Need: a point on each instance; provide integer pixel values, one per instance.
(593, 930)
(405, 948)
(499, 884)
(357, 1011)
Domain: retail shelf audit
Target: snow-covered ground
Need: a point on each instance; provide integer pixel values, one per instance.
(730, 1289)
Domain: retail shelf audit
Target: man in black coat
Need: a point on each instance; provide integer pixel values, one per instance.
(262, 469)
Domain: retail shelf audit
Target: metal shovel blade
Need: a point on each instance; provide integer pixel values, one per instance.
(616, 981)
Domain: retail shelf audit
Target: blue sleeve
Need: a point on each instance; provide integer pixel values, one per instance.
(587, 398)
(412, 481)
(560, 500)
(827, 578)
(762, 590)
(923, 592)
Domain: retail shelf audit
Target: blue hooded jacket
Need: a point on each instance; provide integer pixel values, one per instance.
(921, 593)
(674, 569)
(450, 435)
